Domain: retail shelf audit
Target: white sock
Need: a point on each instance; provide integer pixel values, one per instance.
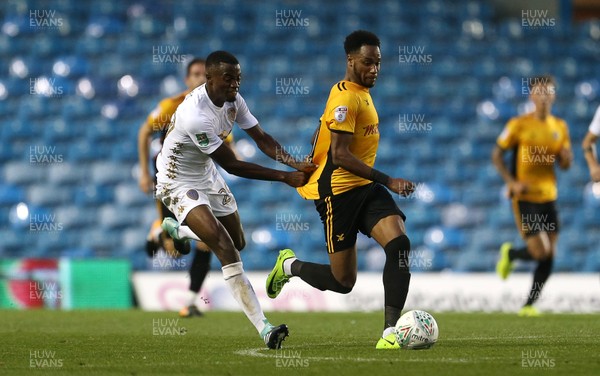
(191, 298)
(186, 232)
(244, 294)
(387, 331)
(287, 266)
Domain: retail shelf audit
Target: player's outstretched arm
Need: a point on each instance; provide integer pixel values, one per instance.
(225, 157)
(591, 157)
(343, 157)
(144, 134)
(268, 145)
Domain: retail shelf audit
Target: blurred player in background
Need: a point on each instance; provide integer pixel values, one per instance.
(589, 147)
(157, 122)
(190, 185)
(538, 141)
(350, 195)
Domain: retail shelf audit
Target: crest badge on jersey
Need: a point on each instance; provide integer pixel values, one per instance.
(202, 139)
(192, 194)
(231, 112)
(340, 113)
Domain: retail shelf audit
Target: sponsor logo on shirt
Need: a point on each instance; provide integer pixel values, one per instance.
(202, 139)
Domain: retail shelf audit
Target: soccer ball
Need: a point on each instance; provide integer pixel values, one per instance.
(416, 330)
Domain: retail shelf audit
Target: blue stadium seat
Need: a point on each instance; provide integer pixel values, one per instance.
(11, 194)
(48, 195)
(92, 195)
(109, 173)
(24, 172)
(129, 194)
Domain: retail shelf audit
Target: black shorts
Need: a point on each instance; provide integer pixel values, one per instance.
(533, 218)
(359, 209)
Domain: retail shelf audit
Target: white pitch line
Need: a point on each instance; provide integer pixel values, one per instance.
(264, 353)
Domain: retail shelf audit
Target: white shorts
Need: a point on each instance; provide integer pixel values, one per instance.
(181, 197)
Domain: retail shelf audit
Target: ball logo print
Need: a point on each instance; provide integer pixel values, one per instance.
(416, 330)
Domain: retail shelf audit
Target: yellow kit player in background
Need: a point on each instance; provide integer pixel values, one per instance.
(538, 141)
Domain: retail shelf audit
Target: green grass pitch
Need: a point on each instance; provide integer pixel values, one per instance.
(224, 343)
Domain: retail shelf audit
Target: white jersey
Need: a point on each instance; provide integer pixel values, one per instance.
(197, 129)
(595, 125)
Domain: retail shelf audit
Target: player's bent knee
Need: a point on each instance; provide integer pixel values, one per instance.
(347, 284)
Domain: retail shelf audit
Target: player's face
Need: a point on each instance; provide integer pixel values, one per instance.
(365, 65)
(543, 96)
(196, 77)
(225, 81)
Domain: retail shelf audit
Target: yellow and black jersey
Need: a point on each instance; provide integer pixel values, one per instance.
(349, 109)
(536, 145)
(160, 118)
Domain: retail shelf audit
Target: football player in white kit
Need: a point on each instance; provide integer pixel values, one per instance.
(189, 184)
(589, 147)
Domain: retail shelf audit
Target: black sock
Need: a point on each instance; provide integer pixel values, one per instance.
(396, 278)
(199, 269)
(519, 253)
(318, 276)
(540, 276)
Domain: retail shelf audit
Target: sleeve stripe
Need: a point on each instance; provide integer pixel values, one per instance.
(338, 86)
(344, 85)
(339, 131)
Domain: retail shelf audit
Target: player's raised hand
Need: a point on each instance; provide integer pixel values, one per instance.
(296, 178)
(401, 186)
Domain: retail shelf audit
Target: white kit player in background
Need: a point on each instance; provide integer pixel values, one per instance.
(189, 184)
(589, 147)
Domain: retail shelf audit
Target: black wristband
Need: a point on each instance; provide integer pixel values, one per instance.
(379, 177)
(589, 149)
